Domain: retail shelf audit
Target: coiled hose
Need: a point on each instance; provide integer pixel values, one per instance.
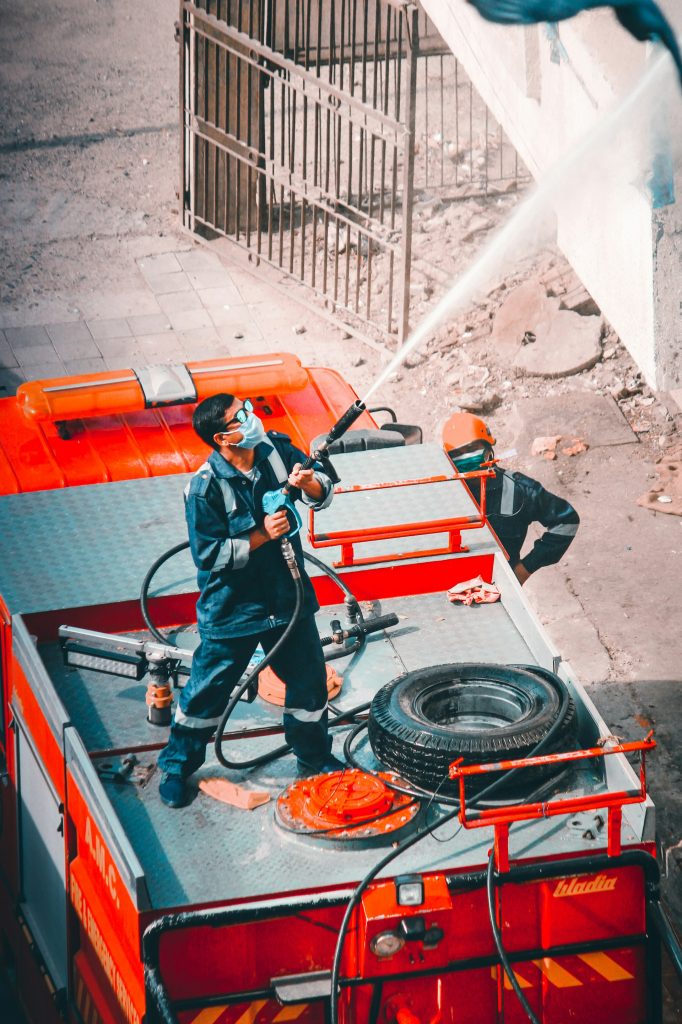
(354, 611)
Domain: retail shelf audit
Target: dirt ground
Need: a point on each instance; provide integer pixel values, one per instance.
(88, 178)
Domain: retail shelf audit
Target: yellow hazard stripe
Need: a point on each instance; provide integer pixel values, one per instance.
(606, 966)
(523, 983)
(556, 974)
(249, 1015)
(291, 1012)
(209, 1015)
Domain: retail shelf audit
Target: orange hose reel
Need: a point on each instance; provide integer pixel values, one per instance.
(272, 689)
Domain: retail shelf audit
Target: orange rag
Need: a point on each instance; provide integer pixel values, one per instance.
(231, 793)
(474, 591)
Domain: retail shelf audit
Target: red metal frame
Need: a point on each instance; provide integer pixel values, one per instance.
(452, 526)
(503, 817)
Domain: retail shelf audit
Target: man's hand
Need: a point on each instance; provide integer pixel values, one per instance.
(521, 573)
(274, 527)
(306, 481)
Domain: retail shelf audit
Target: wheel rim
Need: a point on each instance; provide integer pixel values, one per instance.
(474, 706)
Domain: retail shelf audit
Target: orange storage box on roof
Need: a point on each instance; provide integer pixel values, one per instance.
(126, 391)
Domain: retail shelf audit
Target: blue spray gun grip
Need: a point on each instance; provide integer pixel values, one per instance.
(273, 501)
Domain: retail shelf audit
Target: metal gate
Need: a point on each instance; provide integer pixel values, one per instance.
(299, 140)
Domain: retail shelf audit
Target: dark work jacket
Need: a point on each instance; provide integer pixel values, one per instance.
(243, 592)
(513, 502)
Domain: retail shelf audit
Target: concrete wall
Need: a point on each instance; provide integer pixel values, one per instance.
(548, 86)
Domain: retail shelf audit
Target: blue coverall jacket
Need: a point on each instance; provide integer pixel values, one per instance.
(513, 502)
(243, 592)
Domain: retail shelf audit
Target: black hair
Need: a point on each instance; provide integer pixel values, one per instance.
(209, 417)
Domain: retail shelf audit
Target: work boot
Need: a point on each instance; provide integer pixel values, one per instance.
(173, 790)
(330, 764)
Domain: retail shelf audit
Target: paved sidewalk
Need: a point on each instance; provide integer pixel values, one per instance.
(188, 305)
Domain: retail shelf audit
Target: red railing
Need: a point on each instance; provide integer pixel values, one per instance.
(453, 526)
(503, 817)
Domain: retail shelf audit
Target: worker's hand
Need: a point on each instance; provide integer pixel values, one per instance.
(521, 573)
(276, 525)
(306, 480)
(301, 478)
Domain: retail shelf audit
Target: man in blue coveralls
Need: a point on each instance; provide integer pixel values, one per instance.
(513, 500)
(247, 594)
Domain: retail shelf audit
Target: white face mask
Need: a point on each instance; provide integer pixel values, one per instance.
(252, 432)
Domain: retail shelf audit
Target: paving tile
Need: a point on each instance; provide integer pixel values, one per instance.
(203, 343)
(115, 348)
(7, 357)
(102, 330)
(202, 279)
(10, 381)
(178, 302)
(91, 365)
(165, 283)
(37, 355)
(198, 260)
(133, 359)
(225, 296)
(190, 319)
(44, 371)
(161, 348)
(226, 315)
(27, 337)
(85, 349)
(163, 263)
(243, 332)
(68, 332)
(150, 324)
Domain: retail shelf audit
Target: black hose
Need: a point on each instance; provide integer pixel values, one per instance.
(144, 592)
(416, 837)
(236, 696)
(490, 888)
(271, 755)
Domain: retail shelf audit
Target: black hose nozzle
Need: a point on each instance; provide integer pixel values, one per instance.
(344, 422)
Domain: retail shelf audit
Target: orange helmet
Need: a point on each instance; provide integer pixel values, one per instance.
(462, 428)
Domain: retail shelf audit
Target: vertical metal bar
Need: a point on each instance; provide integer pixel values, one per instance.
(408, 168)
(183, 102)
(292, 227)
(303, 227)
(313, 262)
(425, 62)
(387, 78)
(271, 202)
(325, 250)
(471, 133)
(280, 261)
(485, 152)
(442, 126)
(369, 280)
(456, 121)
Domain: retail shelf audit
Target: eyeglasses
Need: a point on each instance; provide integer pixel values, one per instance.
(241, 415)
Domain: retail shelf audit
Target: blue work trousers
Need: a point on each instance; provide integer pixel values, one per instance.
(217, 667)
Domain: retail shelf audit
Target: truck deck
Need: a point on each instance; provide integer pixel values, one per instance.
(90, 548)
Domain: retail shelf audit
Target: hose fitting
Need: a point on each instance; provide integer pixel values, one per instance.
(289, 556)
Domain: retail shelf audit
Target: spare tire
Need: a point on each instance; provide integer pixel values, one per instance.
(423, 721)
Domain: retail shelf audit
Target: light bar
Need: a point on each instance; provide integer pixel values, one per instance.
(132, 666)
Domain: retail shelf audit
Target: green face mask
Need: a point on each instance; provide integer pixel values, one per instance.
(470, 462)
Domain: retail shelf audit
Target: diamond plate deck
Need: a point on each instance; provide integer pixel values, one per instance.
(86, 546)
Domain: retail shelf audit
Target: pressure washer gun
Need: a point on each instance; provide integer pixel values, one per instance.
(273, 501)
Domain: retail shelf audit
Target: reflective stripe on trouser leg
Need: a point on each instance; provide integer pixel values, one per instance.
(217, 666)
(301, 667)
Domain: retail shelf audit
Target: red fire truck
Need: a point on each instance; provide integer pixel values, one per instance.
(487, 856)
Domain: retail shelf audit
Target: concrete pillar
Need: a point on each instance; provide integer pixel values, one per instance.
(618, 220)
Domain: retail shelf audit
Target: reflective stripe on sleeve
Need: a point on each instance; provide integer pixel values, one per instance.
(507, 500)
(564, 530)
